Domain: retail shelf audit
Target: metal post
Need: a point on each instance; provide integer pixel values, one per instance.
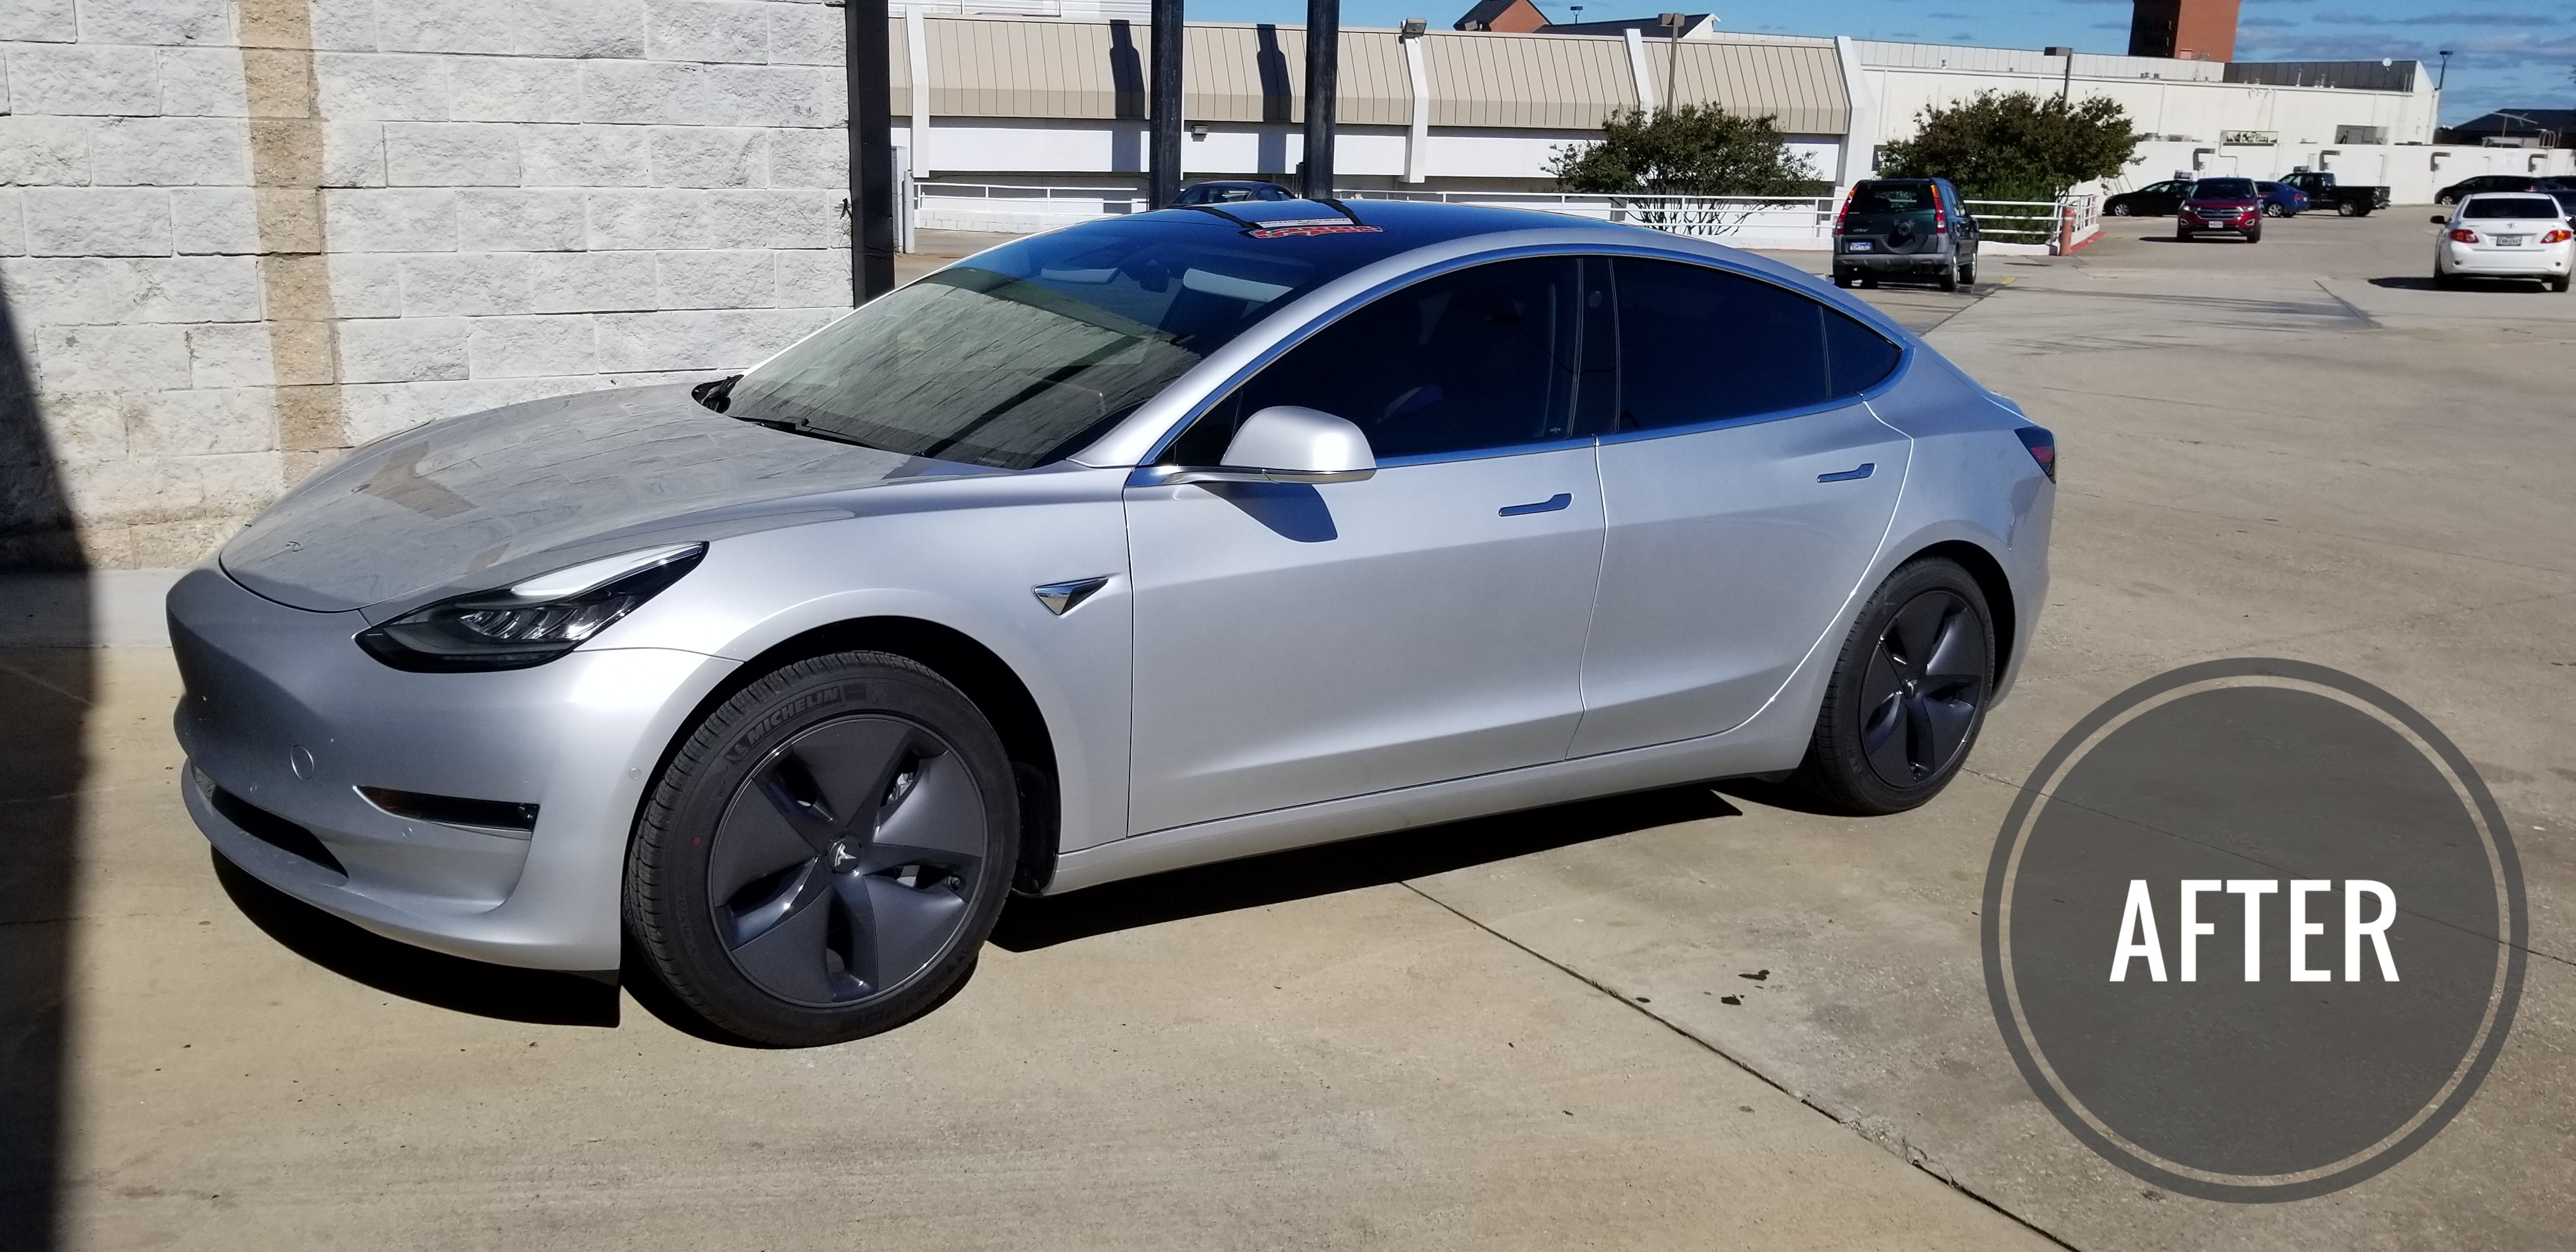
(2066, 86)
(1323, 76)
(869, 73)
(1164, 160)
(1672, 24)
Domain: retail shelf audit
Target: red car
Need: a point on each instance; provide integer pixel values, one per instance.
(2230, 205)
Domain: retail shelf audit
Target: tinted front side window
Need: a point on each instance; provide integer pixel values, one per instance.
(1487, 357)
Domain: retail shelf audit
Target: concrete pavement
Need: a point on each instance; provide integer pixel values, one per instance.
(1508, 1033)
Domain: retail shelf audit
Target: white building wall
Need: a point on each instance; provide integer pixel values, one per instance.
(225, 264)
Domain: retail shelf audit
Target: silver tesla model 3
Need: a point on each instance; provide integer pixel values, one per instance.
(1140, 544)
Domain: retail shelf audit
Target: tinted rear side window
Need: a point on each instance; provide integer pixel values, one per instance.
(2535, 206)
(1701, 345)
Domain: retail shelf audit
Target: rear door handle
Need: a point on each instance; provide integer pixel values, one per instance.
(1849, 474)
(1548, 505)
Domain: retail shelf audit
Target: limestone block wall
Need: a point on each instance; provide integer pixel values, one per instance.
(240, 236)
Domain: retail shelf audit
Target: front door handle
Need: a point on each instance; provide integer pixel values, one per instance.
(1849, 474)
(1548, 505)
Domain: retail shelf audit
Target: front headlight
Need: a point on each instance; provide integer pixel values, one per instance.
(530, 622)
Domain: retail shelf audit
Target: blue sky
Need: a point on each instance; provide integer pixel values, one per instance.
(2507, 53)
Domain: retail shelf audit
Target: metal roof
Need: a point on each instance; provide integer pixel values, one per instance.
(1005, 67)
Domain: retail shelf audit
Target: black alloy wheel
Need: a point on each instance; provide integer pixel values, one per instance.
(824, 857)
(1908, 694)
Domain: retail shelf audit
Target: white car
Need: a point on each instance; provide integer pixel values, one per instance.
(2504, 234)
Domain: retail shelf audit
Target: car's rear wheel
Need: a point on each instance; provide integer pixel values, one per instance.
(2348, 209)
(1950, 277)
(2445, 282)
(2274, 210)
(825, 855)
(1908, 694)
(2559, 283)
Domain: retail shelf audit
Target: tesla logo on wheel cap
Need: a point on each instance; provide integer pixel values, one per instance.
(2266, 1069)
(841, 855)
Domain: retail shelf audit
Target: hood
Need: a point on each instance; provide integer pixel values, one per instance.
(516, 491)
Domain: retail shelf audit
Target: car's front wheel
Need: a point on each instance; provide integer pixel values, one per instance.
(2119, 210)
(825, 854)
(1908, 694)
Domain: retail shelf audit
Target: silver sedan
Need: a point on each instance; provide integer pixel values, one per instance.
(1163, 540)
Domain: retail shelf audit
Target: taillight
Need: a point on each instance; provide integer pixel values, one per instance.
(2557, 236)
(2043, 448)
(2464, 236)
(1940, 220)
(1846, 211)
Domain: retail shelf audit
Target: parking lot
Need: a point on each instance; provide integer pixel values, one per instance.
(1698, 1017)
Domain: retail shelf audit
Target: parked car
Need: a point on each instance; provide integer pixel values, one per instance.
(2324, 192)
(1139, 544)
(1229, 191)
(2282, 200)
(2223, 205)
(2466, 187)
(1905, 229)
(2523, 235)
(2152, 200)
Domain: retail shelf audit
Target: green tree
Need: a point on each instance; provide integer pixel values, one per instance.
(2014, 147)
(1692, 150)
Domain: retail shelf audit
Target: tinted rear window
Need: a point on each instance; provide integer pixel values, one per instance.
(2223, 189)
(2517, 206)
(1892, 198)
(1699, 345)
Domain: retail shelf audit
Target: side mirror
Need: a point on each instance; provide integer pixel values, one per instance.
(2438, 219)
(1287, 444)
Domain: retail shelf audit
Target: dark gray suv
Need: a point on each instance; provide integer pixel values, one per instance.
(1905, 229)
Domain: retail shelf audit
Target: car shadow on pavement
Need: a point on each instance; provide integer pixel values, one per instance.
(1033, 922)
(544, 997)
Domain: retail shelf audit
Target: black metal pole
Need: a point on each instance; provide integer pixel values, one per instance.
(1323, 75)
(869, 71)
(1165, 124)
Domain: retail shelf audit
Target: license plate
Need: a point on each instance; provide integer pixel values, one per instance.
(1859, 245)
(2512, 241)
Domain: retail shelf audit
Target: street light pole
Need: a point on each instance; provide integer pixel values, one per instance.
(870, 79)
(1672, 24)
(1165, 126)
(1323, 76)
(2442, 78)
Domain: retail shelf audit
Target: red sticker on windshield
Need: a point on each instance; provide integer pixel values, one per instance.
(1283, 232)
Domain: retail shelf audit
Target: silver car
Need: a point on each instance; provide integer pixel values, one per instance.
(1163, 540)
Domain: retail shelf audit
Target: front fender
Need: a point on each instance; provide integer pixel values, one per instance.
(970, 569)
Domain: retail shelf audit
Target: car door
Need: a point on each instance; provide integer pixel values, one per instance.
(1747, 489)
(2163, 198)
(1298, 643)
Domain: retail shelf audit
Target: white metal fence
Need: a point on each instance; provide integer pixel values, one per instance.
(1788, 223)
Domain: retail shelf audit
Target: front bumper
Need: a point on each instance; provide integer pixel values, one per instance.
(2237, 226)
(287, 716)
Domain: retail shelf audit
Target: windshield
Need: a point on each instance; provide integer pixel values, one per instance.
(2518, 206)
(1020, 355)
(2223, 189)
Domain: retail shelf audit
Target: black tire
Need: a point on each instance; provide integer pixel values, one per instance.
(1968, 276)
(2275, 210)
(2255, 235)
(2559, 283)
(2184, 236)
(2349, 209)
(1908, 695)
(2120, 210)
(824, 856)
(1950, 277)
(2445, 282)
(2446, 199)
